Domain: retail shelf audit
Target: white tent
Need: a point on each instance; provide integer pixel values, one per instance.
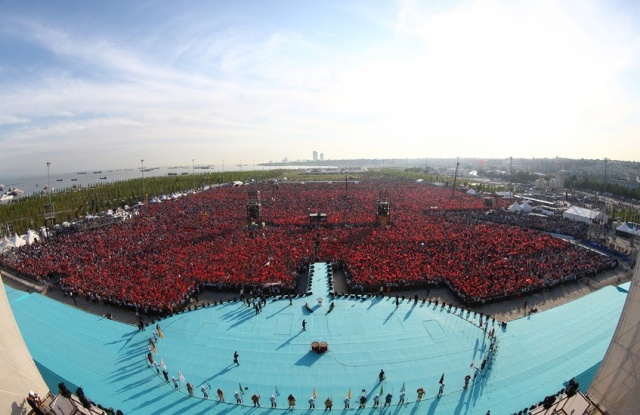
(515, 207)
(471, 192)
(30, 237)
(628, 230)
(579, 214)
(6, 244)
(525, 207)
(504, 195)
(18, 241)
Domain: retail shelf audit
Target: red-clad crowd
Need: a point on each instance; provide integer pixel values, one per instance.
(165, 253)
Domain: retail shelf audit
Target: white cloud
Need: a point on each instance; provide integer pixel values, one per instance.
(484, 78)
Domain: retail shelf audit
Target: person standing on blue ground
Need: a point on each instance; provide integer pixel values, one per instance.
(363, 400)
(388, 398)
(304, 325)
(273, 401)
(402, 396)
(204, 392)
(235, 358)
(328, 404)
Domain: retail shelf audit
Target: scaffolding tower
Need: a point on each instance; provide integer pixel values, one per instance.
(383, 209)
(49, 216)
(254, 208)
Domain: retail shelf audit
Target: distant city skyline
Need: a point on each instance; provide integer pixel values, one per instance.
(87, 85)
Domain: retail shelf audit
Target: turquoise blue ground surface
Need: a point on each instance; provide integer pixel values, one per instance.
(414, 344)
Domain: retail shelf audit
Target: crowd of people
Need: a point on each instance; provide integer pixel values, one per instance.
(553, 224)
(168, 251)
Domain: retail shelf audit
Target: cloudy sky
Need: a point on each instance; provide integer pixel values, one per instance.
(109, 83)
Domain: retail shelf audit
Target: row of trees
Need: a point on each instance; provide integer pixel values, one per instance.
(28, 212)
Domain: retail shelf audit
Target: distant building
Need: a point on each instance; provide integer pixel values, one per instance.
(285, 160)
(559, 180)
(554, 183)
(315, 155)
(321, 156)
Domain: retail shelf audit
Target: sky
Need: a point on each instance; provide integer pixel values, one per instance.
(88, 85)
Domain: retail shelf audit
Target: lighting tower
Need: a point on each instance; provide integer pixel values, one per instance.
(144, 195)
(605, 174)
(49, 211)
(383, 209)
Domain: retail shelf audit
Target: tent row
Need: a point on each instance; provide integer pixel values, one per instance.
(17, 241)
(525, 207)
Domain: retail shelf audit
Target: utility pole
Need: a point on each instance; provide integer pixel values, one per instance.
(48, 182)
(510, 176)
(144, 199)
(605, 174)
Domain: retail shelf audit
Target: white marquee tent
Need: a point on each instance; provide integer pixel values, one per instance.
(18, 241)
(5, 244)
(514, 208)
(579, 214)
(526, 207)
(628, 231)
(30, 237)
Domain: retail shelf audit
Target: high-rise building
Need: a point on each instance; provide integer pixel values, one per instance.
(315, 155)
(321, 156)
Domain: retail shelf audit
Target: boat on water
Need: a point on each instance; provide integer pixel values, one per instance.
(103, 178)
(97, 172)
(74, 180)
(6, 198)
(11, 194)
(1, 187)
(184, 173)
(58, 180)
(172, 174)
(14, 191)
(81, 172)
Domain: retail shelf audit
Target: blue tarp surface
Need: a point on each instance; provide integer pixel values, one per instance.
(415, 344)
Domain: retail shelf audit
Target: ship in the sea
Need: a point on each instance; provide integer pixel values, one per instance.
(11, 194)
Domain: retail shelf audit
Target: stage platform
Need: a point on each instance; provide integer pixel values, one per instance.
(414, 343)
